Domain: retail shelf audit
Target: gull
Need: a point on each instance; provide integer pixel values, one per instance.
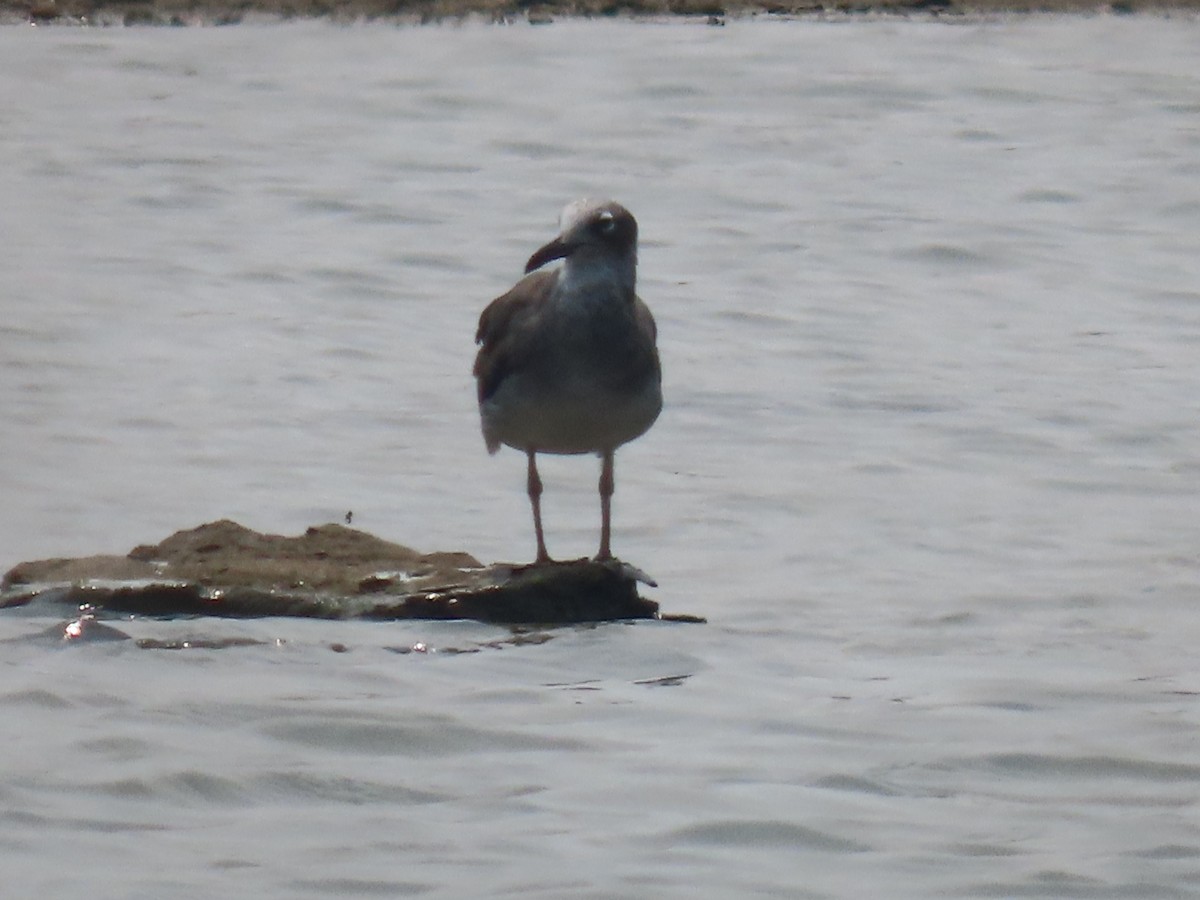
(567, 359)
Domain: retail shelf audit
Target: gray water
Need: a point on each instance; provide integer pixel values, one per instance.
(929, 310)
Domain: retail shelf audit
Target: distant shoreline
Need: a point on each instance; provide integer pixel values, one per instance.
(714, 12)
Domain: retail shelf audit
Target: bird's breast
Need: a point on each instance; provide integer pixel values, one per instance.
(569, 414)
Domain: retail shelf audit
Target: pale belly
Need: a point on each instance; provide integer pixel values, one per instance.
(577, 418)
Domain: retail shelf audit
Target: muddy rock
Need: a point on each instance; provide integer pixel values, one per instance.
(331, 571)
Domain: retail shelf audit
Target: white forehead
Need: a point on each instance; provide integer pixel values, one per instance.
(578, 210)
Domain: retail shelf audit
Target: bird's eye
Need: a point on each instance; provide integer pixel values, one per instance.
(606, 223)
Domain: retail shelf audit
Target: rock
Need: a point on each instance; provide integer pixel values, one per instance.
(330, 572)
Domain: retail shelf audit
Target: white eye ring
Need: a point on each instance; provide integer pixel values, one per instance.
(607, 222)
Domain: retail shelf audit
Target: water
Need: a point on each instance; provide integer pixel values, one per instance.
(929, 315)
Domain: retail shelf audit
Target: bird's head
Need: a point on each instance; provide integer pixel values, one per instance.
(597, 228)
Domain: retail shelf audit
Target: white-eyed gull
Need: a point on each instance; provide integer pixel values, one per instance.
(567, 361)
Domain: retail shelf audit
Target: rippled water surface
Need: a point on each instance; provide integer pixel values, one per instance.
(929, 311)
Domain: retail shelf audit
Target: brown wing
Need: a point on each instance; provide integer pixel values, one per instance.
(639, 362)
(506, 328)
(645, 321)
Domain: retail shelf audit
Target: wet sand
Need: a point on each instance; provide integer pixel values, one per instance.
(713, 12)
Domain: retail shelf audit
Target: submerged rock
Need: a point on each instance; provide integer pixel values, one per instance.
(329, 572)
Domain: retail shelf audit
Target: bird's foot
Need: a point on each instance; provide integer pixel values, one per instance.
(627, 569)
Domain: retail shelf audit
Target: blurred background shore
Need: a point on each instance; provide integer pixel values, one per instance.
(229, 12)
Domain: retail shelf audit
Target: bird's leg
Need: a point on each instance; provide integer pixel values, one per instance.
(534, 486)
(606, 492)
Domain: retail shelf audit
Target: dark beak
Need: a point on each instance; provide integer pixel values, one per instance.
(556, 249)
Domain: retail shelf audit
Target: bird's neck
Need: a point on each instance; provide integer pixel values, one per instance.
(585, 273)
